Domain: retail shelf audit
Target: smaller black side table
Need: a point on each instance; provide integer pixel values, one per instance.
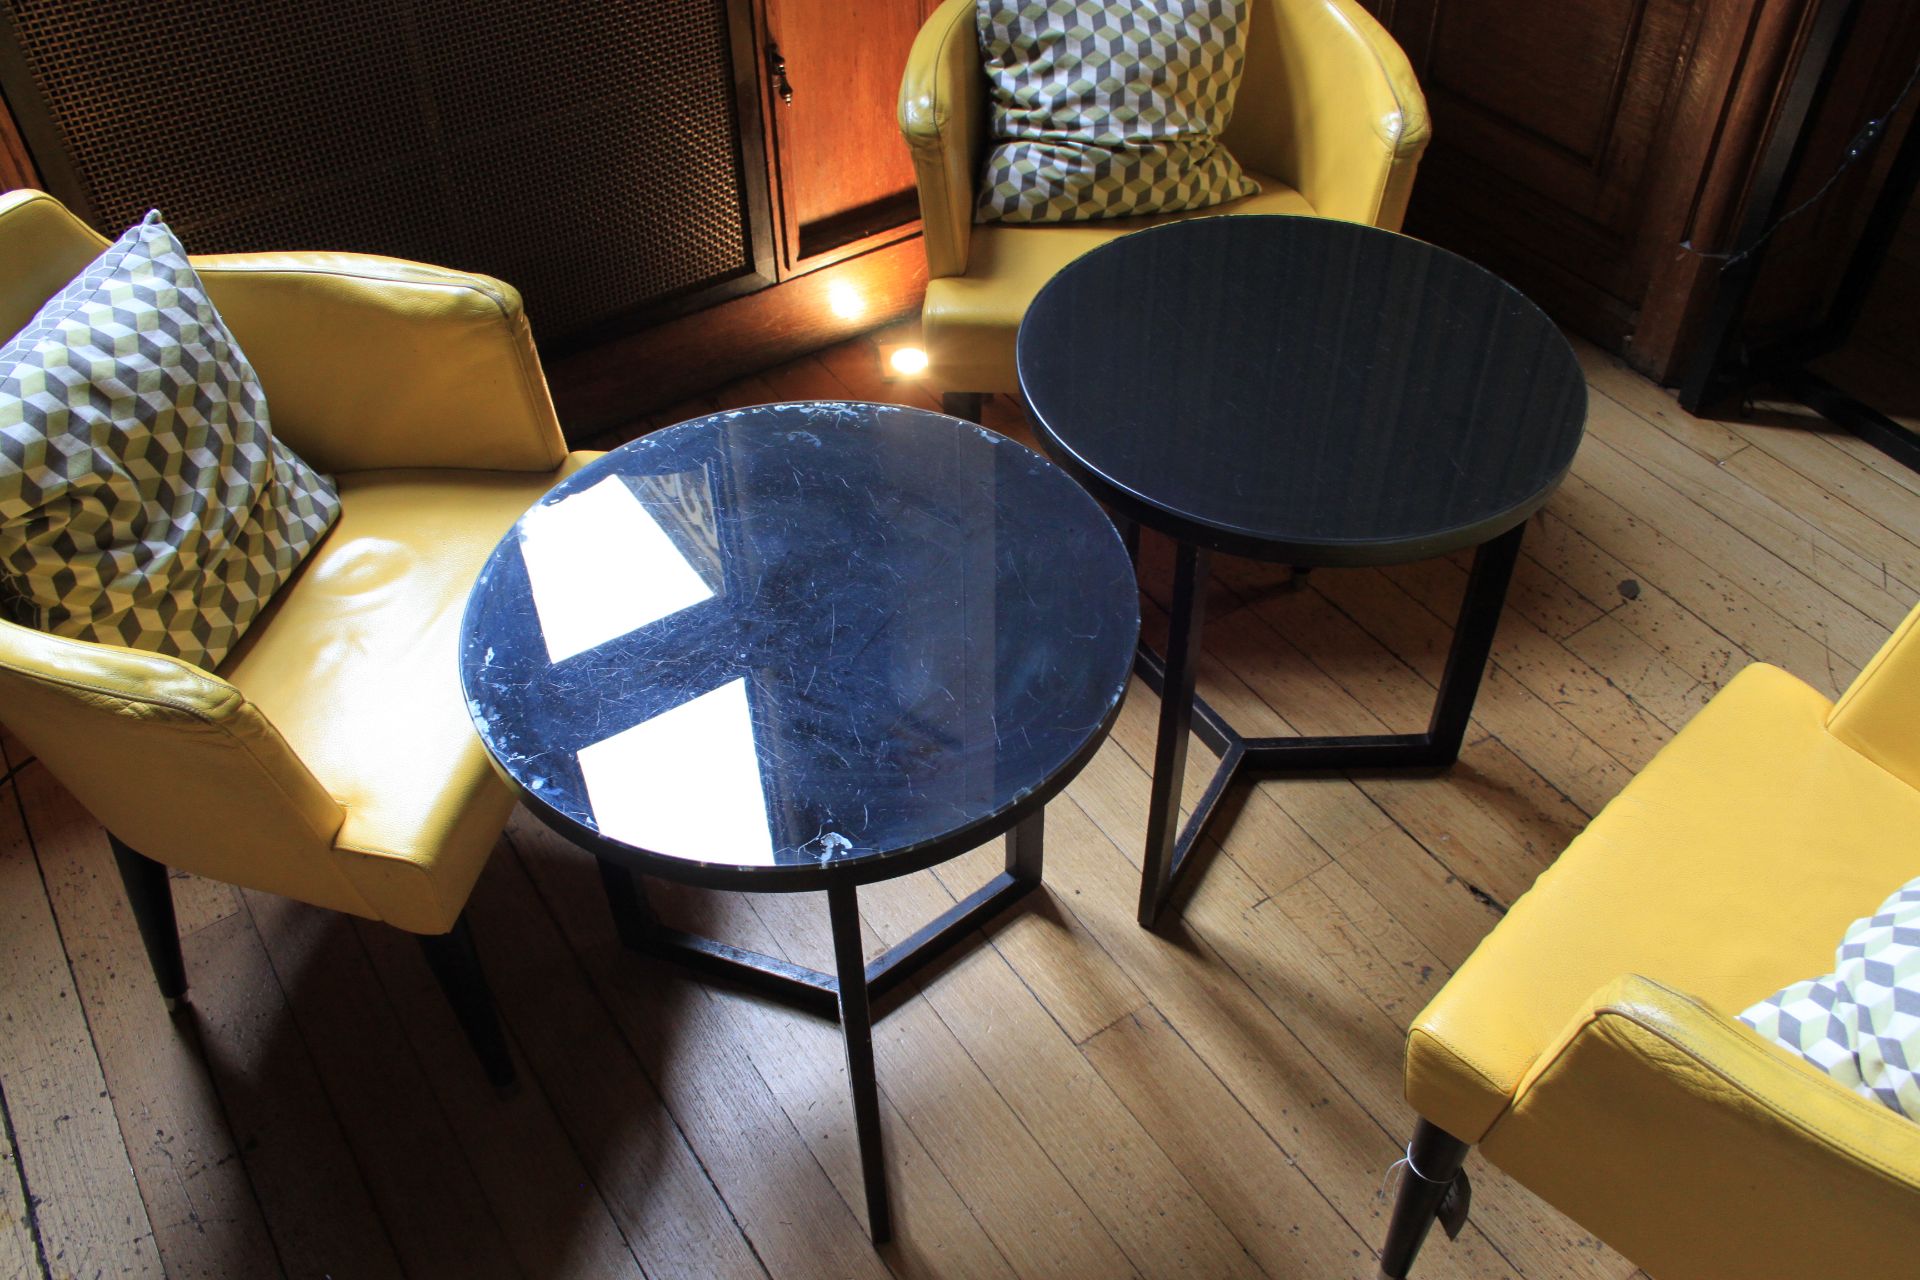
(804, 646)
(1309, 392)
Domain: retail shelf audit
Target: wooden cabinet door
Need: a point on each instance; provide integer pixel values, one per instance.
(842, 174)
(1547, 124)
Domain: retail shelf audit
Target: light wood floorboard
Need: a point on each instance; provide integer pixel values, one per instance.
(1069, 1097)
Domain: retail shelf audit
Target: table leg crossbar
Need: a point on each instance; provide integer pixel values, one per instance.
(1170, 844)
(855, 992)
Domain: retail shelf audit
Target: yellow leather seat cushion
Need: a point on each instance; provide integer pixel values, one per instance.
(1728, 868)
(971, 321)
(356, 663)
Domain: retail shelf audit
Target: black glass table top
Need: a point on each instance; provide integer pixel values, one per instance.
(784, 644)
(1300, 389)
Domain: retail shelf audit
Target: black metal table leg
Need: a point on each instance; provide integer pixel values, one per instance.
(633, 918)
(1025, 849)
(1168, 854)
(639, 930)
(1162, 859)
(1472, 644)
(1868, 423)
(855, 990)
(809, 989)
(856, 1028)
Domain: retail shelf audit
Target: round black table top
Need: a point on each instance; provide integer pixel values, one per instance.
(1303, 390)
(785, 645)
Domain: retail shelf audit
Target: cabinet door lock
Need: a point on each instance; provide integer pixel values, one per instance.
(777, 69)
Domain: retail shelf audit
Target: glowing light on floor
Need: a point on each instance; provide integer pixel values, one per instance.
(845, 301)
(908, 361)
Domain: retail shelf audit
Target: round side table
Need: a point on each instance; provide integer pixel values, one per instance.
(804, 646)
(1304, 391)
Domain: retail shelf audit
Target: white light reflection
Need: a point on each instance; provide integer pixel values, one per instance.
(685, 784)
(845, 301)
(600, 566)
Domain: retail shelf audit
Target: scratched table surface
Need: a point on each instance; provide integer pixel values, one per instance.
(800, 641)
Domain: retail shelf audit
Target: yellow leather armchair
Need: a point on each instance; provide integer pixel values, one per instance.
(1589, 1045)
(330, 758)
(1328, 117)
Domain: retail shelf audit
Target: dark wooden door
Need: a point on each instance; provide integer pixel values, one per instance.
(1548, 121)
(842, 173)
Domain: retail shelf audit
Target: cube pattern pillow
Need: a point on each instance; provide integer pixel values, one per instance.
(1107, 108)
(1861, 1023)
(143, 498)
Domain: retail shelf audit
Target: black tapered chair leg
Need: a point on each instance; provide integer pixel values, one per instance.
(456, 965)
(971, 405)
(151, 898)
(1434, 1158)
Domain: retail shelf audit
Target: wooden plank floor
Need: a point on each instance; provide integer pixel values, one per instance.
(1070, 1098)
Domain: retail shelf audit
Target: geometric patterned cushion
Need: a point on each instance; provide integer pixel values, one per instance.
(1106, 108)
(143, 498)
(1861, 1023)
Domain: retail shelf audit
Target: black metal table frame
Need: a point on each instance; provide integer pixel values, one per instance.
(857, 991)
(1169, 847)
(850, 994)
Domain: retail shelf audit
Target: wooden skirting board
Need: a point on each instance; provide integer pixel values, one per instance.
(623, 381)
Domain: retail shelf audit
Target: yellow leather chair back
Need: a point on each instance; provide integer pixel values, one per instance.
(42, 246)
(943, 117)
(1311, 62)
(1879, 714)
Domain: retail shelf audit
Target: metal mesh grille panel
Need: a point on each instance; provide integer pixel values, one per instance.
(584, 152)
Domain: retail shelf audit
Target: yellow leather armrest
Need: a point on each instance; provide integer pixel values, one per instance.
(176, 762)
(373, 363)
(46, 246)
(943, 117)
(1697, 1149)
(1879, 714)
(1329, 104)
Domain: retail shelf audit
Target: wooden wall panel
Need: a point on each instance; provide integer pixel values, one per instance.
(1546, 122)
(1735, 62)
(1598, 154)
(16, 166)
(842, 171)
(1688, 243)
(844, 62)
(1807, 255)
(1560, 82)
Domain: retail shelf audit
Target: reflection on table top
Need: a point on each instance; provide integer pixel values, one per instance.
(800, 639)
